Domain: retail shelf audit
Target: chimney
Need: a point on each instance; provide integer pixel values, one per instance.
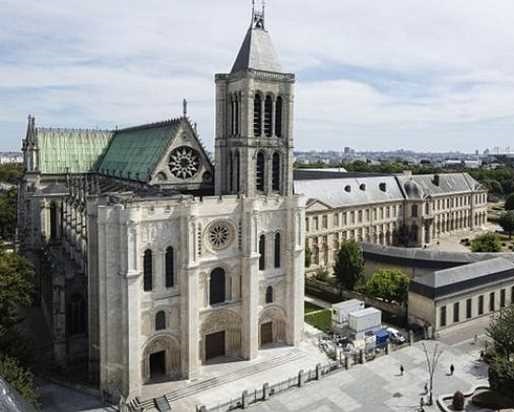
(383, 187)
(436, 180)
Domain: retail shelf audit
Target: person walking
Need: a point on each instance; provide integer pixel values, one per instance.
(452, 369)
(401, 370)
(426, 388)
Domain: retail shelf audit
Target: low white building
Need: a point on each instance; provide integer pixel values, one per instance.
(448, 297)
(342, 310)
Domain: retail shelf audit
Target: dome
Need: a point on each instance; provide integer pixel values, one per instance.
(412, 190)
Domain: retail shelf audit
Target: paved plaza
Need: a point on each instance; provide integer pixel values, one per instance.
(378, 386)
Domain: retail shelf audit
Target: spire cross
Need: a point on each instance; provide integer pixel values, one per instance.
(184, 107)
(258, 16)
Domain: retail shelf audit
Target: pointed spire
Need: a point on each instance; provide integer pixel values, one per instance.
(184, 108)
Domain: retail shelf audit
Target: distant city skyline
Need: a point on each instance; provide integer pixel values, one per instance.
(424, 76)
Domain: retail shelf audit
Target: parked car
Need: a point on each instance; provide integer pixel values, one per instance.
(396, 336)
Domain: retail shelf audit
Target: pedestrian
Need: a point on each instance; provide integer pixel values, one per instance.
(475, 339)
(426, 388)
(452, 369)
(401, 370)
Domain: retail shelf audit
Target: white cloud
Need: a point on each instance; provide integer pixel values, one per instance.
(431, 74)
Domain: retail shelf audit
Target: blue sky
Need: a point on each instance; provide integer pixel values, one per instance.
(426, 75)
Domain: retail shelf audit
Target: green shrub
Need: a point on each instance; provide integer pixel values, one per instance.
(458, 401)
(18, 377)
(489, 242)
(491, 400)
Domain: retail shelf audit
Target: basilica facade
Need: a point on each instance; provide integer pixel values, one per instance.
(151, 260)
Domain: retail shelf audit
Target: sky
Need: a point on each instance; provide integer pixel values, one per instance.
(428, 75)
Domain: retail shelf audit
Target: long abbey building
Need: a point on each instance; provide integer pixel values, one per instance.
(153, 261)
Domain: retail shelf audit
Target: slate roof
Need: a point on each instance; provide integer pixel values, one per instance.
(313, 174)
(70, 150)
(420, 186)
(134, 152)
(257, 52)
(447, 281)
(363, 190)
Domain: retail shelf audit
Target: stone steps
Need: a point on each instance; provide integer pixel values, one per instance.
(214, 382)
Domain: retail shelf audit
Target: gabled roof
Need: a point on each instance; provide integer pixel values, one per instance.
(134, 152)
(70, 150)
(257, 52)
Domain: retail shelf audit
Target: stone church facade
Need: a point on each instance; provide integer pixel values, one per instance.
(151, 261)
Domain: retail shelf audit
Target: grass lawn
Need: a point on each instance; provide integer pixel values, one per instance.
(320, 319)
(310, 307)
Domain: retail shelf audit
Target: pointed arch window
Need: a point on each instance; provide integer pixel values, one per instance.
(53, 221)
(170, 267)
(232, 113)
(260, 172)
(231, 172)
(160, 320)
(277, 250)
(236, 97)
(147, 270)
(275, 186)
(262, 252)
(268, 116)
(237, 166)
(269, 294)
(278, 117)
(76, 319)
(257, 115)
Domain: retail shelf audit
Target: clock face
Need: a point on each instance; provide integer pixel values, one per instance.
(184, 162)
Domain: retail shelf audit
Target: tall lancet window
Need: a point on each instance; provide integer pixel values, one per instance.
(278, 117)
(276, 172)
(268, 116)
(147, 270)
(237, 167)
(236, 97)
(257, 115)
(262, 252)
(259, 183)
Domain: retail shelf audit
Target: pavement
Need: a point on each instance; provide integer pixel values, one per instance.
(378, 385)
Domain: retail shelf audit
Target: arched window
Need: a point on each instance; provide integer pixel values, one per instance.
(237, 166)
(277, 250)
(236, 97)
(260, 172)
(278, 117)
(257, 115)
(268, 116)
(217, 286)
(262, 252)
(147, 270)
(76, 319)
(269, 294)
(53, 221)
(160, 320)
(414, 210)
(231, 172)
(170, 267)
(276, 172)
(232, 114)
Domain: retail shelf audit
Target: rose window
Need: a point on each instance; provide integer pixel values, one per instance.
(184, 162)
(219, 234)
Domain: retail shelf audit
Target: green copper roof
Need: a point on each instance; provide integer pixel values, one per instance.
(135, 152)
(71, 150)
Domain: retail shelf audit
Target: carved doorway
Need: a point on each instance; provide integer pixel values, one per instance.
(158, 365)
(215, 345)
(266, 333)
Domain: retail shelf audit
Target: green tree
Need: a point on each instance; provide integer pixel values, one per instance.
(18, 377)
(308, 257)
(509, 202)
(16, 283)
(501, 376)
(8, 214)
(349, 264)
(501, 331)
(11, 173)
(488, 242)
(506, 221)
(389, 285)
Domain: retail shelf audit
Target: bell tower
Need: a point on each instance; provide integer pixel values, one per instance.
(254, 119)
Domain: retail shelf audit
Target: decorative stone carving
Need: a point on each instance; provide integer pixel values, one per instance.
(184, 162)
(219, 234)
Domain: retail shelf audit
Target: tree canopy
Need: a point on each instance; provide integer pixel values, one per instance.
(11, 173)
(488, 242)
(7, 214)
(509, 202)
(16, 282)
(349, 264)
(389, 285)
(506, 221)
